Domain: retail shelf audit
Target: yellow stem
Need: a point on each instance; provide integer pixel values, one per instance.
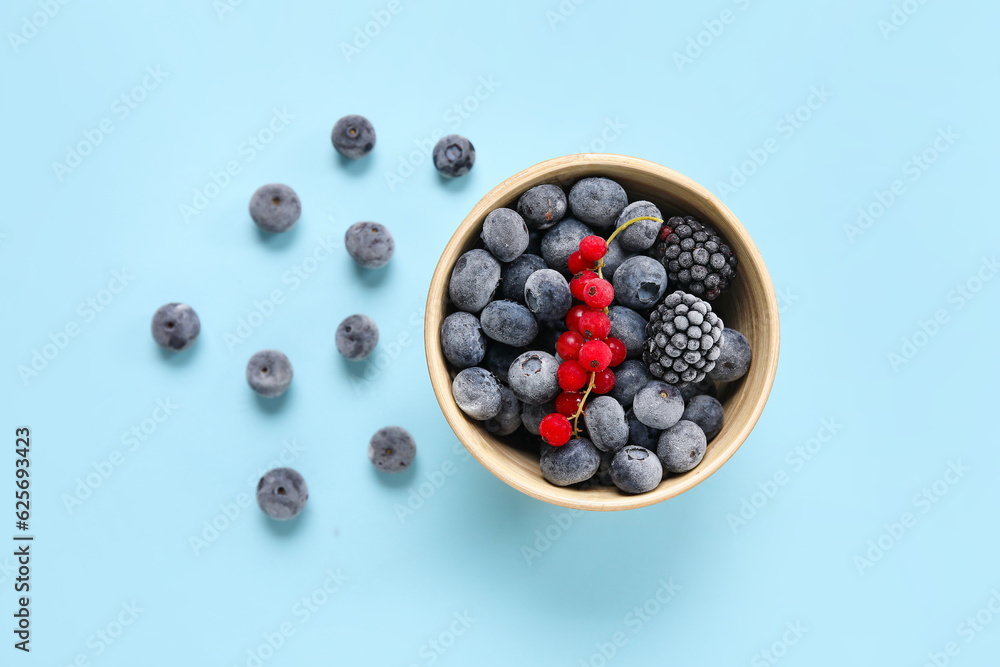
(600, 262)
(583, 402)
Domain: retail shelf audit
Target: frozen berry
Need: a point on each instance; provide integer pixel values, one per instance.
(629, 327)
(534, 377)
(707, 413)
(509, 322)
(474, 280)
(542, 206)
(630, 377)
(636, 470)
(462, 339)
(555, 429)
(618, 350)
(369, 244)
(353, 136)
(640, 434)
(568, 402)
(357, 337)
(597, 201)
(508, 419)
(516, 273)
(604, 381)
(499, 357)
(734, 357)
(640, 282)
(598, 293)
(595, 325)
(606, 424)
(572, 377)
(578, 285)
(681, 447)
(477, 393)
(574, 462)
(275, 207)
(616, 257)
(532, 415)
(595, 356)
(641, 234)
(392, 449)
(454, 156)
(175, 326)
(282, 493)
(573, 317)
(569, 344)
(577, 264)
(505, 234)
(592, 248)
(658, 405)
(269, 373)
(562, 241)
(547, 294)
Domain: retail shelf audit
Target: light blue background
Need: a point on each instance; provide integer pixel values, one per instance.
(557, 86)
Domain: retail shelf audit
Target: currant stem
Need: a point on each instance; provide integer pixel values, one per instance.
(600, 262)
(583, 403)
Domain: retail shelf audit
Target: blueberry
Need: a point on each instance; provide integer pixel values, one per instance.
(370, 244)
(499, 357)
(505, 234)
(275, 207)
(574, 462)
(514, 275)
(636, 470)
(474, 280)
(603, 474)
(353, 136)
(640, 282)
(509, 418)
(597, 201)
(606, 423)
(535, 241)
(707, 413)
(356, 337)
(547, 294)
(629, 327)
(658, 405)
(691, 389)
(640, 434)
(630, 376)
(477, 393)
(462, 339)
(734, 357)
(562, 241)
(454, 156)
(533, 377)
(282, 493)
(542, 206)
(509, 322)
(614, 258)
(532, 416)
(175, 326)
(269, 373)
(392, 449)
(681, 447)
(640, 235)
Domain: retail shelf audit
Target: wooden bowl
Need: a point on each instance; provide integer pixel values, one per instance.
(750, 307)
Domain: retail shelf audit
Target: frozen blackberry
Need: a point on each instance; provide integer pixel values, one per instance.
(682, 339)
(392, 449)
(696, 258)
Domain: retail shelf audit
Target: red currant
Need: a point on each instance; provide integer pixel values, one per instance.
(617, 348)
(604, 381)
(568, 402)
(577, 263)
(573, 317)
(568, 345)
(578, 285)
(571, 376)
(592, 248)
(595, 325)
(555, 429)
(598, 293)
(595, 355)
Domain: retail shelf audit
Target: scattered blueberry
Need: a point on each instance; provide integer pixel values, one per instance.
(269, 373)
(681, 447)
(640, 235)
(597, 201)
(629, 327)
(509, 322)
(562, 241)
(275, 207)
(477, 393)
(533, 377)
(514, 275)
(454, 156)
(640, 282)
(547, 294)
(505, 234)
(499, 357)
(532, 416)
(574, 462)
(282, 493)
(707, 413)
(175, 326)
(658, 405)
(508, 419)
(357, 337)
(474, 280)
(606, 423)
(370, 244)
(630, 376)
(636, 470)
(640, 434)
(542, 206)
(392, 449)
(462, 339)
(353, 136)
(734, 357)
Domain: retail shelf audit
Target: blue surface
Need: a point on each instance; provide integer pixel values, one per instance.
(455, 582)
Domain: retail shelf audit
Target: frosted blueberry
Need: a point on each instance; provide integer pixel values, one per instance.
(474, 280)
(509, 322)
(454, 156)
(269, 373)
(640, 235)
(532, 416)
(574, 462)
(734, 357)
(499, 357)
(357, 337)
(681, 447)
(630, 376)
(614, 258)
(392, 449)
(640, 434)
(597, 201)
(606, 423)
(505, 234)
(562, 241)
(707, 413)
(275, 207)
(658, 405)
(636, 470)
(282, 493)
(353, 136)
(542, 206)
(477, 393)
(508, 419)
(533, 377)
(175, 326)
(514, 275)
(629, 327)
(462, 339)
(370, 244)
(640, 282)
(547, 294)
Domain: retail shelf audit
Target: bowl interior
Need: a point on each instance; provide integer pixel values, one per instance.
(750, 307)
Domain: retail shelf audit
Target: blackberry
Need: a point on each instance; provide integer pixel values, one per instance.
(682, 339)
(696, 258)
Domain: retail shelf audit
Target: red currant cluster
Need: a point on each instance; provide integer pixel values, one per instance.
(588, 351)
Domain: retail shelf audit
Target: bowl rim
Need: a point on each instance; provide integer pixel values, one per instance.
(548, 171)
